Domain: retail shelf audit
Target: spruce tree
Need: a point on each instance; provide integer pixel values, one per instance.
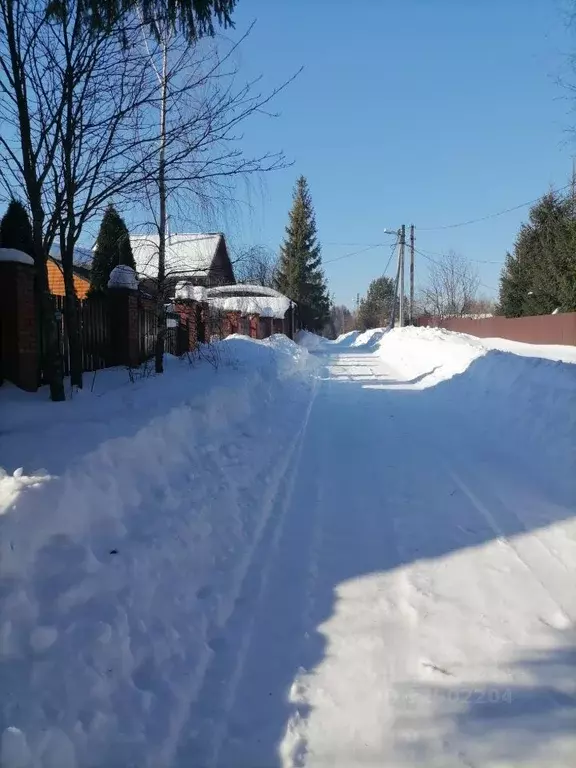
(300, 274)
(112, 248)
(540, 276)
(375, 309)
(195, 18)
(15, 229)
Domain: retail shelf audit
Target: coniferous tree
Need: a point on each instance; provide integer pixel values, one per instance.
(540, 276)
(300, 274)
(195, 18)
(375, 308)
(112, 248)
(514, 285)
(16, 230)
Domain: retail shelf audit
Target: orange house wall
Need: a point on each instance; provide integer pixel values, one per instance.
(56, 282)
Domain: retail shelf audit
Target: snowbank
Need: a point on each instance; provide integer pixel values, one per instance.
(124, 543)
(530, 398)
(369, 338)
(346, 339)
(309, 340)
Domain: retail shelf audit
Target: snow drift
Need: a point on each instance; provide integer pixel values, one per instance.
(121, 559)
(526, 393)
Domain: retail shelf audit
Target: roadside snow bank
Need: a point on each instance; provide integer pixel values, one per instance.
(309, 340)
(370, 338)
(122, 560)
(530, 400)
(428, 354)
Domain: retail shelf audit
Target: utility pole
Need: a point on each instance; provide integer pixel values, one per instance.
(411, 316)
(401, 265)
(399, 276)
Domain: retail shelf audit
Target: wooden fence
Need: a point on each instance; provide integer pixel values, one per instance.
(147, 331)
(95, 332)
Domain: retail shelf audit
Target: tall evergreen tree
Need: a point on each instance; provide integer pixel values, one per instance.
(16, 230)
(195, 18)
(300, 275)
(112, 248)
(540, 276)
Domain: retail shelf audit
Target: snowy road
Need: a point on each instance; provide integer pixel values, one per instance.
(411, 600)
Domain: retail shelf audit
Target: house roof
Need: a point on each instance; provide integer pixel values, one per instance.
(244, 289)
(189, 254)
(82, 256)
(78, 269)
(265, 306)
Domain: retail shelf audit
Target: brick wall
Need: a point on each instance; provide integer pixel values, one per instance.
(231, 323)
(18, 328)
(195, 316)
(254, 326)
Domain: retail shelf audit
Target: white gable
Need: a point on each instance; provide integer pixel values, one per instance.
(188, 255)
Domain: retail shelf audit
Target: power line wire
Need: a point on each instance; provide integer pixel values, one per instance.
(354, 253)
(490, 215)
(476, 261)
(433, 261)
(392, 249)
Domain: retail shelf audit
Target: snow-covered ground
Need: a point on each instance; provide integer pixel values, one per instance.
(364, 556)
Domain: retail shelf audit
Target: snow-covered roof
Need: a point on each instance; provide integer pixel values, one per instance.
(82, 256)
(12, 254)
(266, 306)
(187, 254)
(242, 288)
(123, 276)
(184, 290)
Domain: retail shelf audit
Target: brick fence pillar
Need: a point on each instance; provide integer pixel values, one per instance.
(230, 323)
(188, 310)
(254, 321)
(205, 317)
(18, 321)
(124, 342)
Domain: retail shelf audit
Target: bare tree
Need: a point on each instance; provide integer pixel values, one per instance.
(256, 265)
(341, 319)
(201, 108)
(482, 305)
(452, 286)
(75, 99)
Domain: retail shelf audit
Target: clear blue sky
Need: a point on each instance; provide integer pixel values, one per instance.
(424, 112)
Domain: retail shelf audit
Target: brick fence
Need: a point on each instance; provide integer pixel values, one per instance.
(537, 329)
(18, 329)
(117, 328)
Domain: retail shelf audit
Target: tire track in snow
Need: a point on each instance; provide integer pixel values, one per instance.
(224, 672)
(294, 745)
(557, 588)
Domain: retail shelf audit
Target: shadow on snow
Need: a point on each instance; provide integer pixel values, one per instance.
(245, 706)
